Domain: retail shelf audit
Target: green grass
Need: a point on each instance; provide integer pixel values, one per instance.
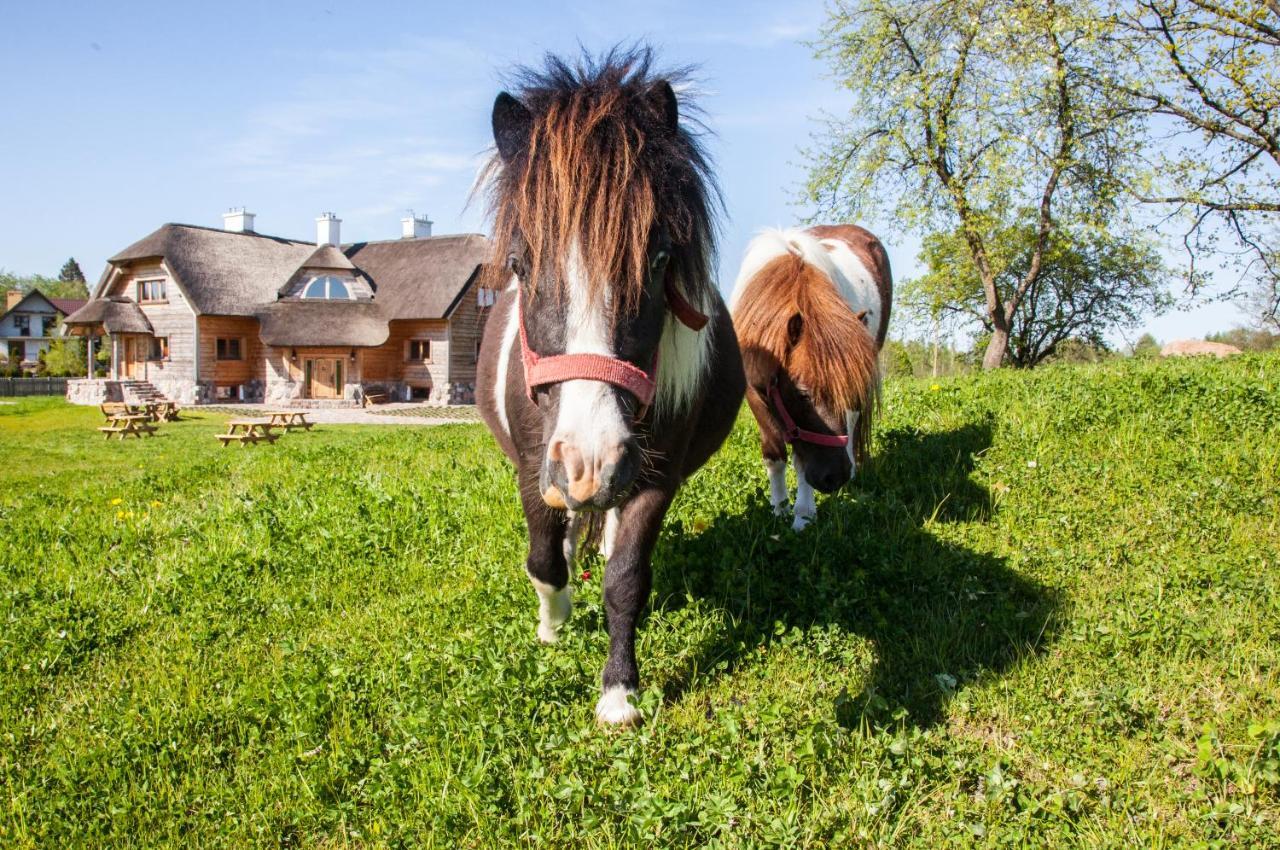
(1047, 615)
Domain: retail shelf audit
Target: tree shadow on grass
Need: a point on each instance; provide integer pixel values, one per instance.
(938, 614)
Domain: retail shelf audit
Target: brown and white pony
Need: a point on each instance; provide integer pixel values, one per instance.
(609, 370)
(811, 308)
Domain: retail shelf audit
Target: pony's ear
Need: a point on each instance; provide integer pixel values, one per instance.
(795, 328)
(512, 124)
(663, 99)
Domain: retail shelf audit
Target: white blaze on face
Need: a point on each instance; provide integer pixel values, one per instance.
(590, 417)
(509, 332)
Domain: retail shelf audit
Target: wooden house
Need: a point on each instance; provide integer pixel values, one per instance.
(203, 315)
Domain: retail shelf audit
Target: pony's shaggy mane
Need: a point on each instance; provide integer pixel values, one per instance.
(602, 169)
(835, 358)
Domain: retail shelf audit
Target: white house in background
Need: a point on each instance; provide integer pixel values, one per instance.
(30, 323)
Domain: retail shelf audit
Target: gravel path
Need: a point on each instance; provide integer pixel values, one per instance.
(383, 414)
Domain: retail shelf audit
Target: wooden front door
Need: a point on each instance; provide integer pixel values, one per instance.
(324, 378)
(135, 355)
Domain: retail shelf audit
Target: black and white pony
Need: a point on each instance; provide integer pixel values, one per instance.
(609, 370)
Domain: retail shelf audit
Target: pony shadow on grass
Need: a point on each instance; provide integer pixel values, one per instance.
(938, 614)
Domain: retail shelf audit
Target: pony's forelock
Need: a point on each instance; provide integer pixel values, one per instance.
(602, 168)
(835, 357)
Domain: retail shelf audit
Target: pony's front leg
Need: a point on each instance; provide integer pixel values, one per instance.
(547, 565)
(627, 580)
(778, 498)
(806, 501)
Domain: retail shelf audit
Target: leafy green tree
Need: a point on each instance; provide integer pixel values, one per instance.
(1146, 346)
(1206, 74)
(966, 114)
(64, 357)
(51, 287)
(1088, 282)
(1247, 339)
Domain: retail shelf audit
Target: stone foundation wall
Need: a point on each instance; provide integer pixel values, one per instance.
(93, 391)
(181, 390)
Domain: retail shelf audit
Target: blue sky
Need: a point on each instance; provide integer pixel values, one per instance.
(123, 116)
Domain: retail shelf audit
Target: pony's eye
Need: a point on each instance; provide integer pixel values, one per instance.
(514, 265)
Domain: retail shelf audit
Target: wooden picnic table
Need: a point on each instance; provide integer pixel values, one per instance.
(124, 424)
(245, 431)
(289, 419)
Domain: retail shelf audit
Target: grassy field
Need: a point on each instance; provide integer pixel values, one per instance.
(1048, 614)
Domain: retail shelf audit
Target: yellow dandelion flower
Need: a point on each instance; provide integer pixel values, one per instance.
(119, 514)
(117, 500)
(155, 503)
(935, 387)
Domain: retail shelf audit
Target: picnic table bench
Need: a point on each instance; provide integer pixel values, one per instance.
(123, 424)
(245, 431)
(289, 419)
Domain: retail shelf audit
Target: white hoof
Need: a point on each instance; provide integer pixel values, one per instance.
(615, 711)
(554, 608)
(801, 522)
(782, 509)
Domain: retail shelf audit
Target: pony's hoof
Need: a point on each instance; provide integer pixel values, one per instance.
(614, 711)
(801, 523)
(548, 634)
(782, 509)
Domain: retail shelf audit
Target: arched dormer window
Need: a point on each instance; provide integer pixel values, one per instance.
(327, 287)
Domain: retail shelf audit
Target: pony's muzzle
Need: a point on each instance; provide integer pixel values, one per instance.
(588, 479)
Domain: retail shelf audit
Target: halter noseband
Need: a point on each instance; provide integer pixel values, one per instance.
(791, 432)
(540, 371)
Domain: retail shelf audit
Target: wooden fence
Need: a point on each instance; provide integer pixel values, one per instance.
(33, 386)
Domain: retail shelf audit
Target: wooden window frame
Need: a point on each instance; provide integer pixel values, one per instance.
(408, 351)
(218, 343)
(144, 298)
(163, 342)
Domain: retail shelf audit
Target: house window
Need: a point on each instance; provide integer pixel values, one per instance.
(23, 323)
(159, 348)
(327, 287)
(419, 351)
(151, 291)
(486, 297)
(228, 348)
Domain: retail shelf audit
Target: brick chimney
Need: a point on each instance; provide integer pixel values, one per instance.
(328, 230)
(11, 298)
(237, 220)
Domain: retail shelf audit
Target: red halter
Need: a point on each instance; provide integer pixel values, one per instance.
(540, 371)
(792, 432)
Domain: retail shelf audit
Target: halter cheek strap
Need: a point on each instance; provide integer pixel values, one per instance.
(792, 433)
(541, 371)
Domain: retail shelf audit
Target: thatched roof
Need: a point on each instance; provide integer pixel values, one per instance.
(116, 315)
(341, 323)
(221, 272)
(421, 278)
(237, 274)
(327, 257)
